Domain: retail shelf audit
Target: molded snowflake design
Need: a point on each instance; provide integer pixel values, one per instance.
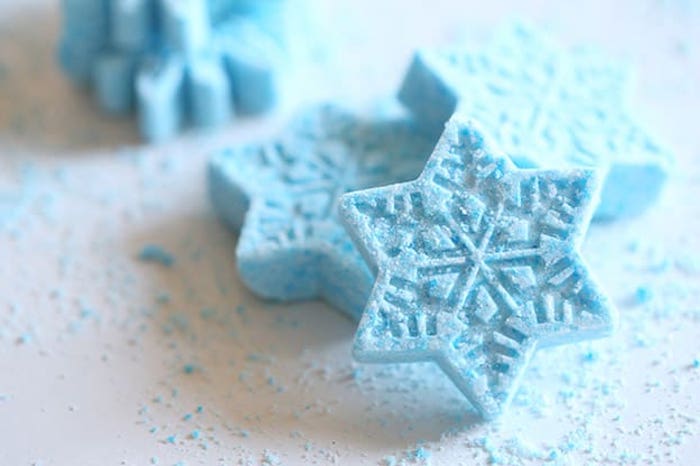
(546, 107)
(284, 196)
(478, 265)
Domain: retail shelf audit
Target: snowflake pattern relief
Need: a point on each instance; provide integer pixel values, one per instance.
(478, 265)
(292, 245)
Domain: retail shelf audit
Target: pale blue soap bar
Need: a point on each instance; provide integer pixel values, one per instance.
(478, 265)
(282, 197)
(546, 106)
(212, 59)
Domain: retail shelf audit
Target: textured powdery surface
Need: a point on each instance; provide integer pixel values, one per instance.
(478, 265)
(106, 358)
(547, 107)
(180, 62)
(282, 195)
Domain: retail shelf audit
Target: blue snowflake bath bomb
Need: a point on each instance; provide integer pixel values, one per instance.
(282, 197)
(546, 106)
(477, 265)
(181, 62)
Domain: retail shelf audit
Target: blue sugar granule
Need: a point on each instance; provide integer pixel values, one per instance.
(179, 63)
(200, 409)
(189, 368)
(156, 254)
(154, 460)
(696, 363)
(270, 459)
(153, 430)
(258, 357)
(434, 297)
(419, 454)
(195, 434)
(546, 106)
(389, 461)
(171, 439)
(281, 196)
(643, 294)
(590, 356)
(187, 417)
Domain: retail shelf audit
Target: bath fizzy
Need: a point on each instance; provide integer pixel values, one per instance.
(477, 265)
(282, 197)
(180, 62)
(547, 107)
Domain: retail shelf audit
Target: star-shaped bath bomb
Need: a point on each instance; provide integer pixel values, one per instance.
(282, 197)
(546, 106)
(477, 265)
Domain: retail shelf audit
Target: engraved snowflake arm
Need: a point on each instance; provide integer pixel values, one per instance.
(380, 221)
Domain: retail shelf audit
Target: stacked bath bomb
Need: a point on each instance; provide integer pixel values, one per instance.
(453, 235)
(180, 62)
(546, 106)
(281, 196)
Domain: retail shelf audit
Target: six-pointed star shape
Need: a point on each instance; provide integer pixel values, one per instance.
(283, 195)
(546, 106)
(477, 265)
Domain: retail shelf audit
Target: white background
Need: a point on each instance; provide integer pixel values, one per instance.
(91, 361)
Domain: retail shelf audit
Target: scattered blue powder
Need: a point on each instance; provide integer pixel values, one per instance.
(194, 434)
(171, 439)
(270, 459)
(389, 461)
(87, 312)
(696, 363)
(156, 254)
(207, 313)
(420, 454)
(256, 357)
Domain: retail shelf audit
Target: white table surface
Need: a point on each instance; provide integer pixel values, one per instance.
(91, 360)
